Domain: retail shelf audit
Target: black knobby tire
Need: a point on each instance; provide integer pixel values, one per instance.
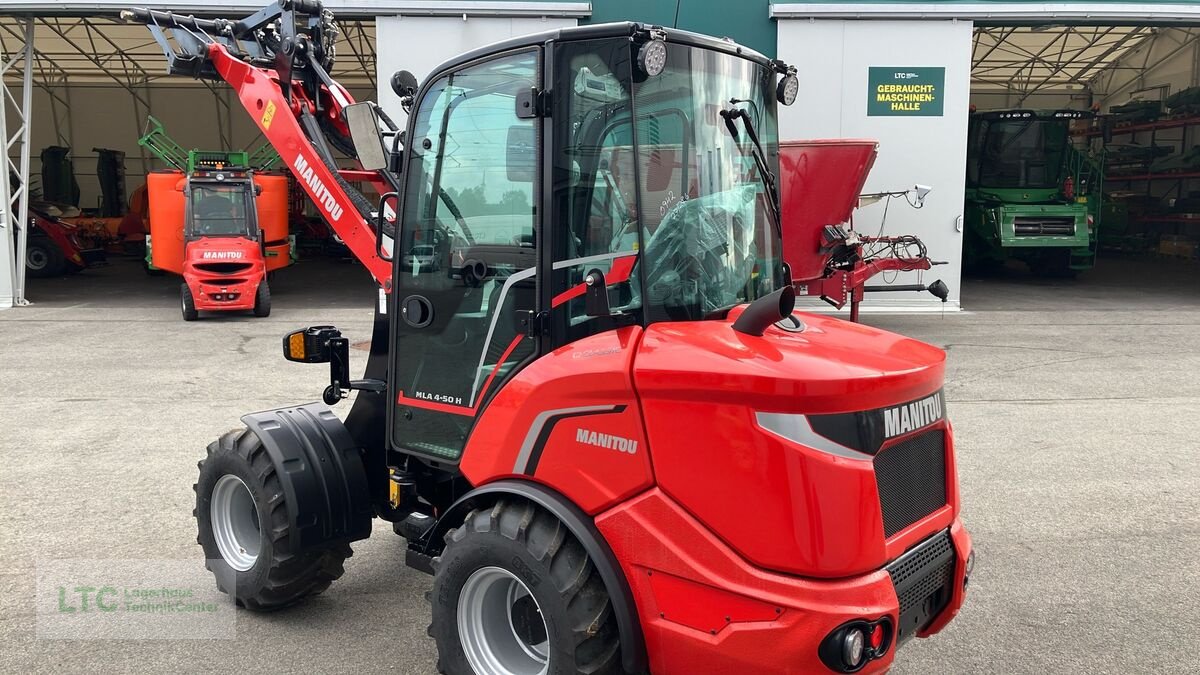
(278, 577)
(44, 259)
(535, 547)
(187, 303)
(262, 299)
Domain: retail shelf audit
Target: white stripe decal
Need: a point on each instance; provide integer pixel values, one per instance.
(540, 421)
(797, 429)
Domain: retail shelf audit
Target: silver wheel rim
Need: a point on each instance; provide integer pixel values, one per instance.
(35, 259)
(235, 523)
(500, 625)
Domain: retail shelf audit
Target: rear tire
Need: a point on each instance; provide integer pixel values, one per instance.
(515, 593)
(187, 303)
(255, 567)
(262, 300)
(43, 259)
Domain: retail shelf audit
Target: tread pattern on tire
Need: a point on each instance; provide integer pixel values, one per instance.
(262, 299)
(291, 577)
(589, 617)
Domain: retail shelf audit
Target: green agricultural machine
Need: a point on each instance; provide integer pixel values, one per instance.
(1031, 195)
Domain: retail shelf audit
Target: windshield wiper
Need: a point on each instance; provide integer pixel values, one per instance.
(760, 160)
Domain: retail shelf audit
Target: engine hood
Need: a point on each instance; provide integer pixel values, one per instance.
(771, 441)
(830, 366)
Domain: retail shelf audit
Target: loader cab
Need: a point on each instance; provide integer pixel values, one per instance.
(220, 204)
(536, 168)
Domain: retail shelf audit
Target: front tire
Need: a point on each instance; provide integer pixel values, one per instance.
(187, 303)
(516, 594)
(44, 259)
(242, 517)
(262, 300)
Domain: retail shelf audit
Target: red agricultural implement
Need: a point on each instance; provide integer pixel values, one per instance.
(822, 182)
(589, 406)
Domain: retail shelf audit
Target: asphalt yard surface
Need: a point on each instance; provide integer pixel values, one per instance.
(1075, 406)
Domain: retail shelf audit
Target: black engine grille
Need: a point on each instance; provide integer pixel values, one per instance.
(922, 578)
(911, 478)
(1028, 226)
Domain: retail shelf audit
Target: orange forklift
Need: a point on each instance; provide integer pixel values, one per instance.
(219, 220)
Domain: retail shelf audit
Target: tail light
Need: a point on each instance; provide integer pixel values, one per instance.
(853, 645)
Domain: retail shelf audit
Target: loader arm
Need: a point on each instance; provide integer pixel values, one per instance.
(293, 100)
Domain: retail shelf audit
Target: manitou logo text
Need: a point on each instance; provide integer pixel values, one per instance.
(607, 441)
(319, 193)
(221, 255)
(912, 416)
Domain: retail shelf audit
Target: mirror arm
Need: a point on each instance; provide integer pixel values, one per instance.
(596, 294)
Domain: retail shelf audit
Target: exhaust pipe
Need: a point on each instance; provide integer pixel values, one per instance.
(765, 311)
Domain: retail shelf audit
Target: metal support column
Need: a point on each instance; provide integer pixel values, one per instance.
(14, 200)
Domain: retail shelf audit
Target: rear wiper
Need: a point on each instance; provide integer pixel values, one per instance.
(760, 159)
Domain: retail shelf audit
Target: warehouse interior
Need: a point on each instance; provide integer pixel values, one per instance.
(96, 83)
(1137, 86)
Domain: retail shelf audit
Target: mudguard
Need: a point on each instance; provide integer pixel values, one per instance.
(321, 470)
(633, 643)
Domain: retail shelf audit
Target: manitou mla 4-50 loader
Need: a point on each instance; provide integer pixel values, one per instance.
(613, 444)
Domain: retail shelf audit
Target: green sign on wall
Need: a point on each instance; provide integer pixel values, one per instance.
(895, 90)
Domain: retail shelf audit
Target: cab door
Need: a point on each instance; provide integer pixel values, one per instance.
(466, 256)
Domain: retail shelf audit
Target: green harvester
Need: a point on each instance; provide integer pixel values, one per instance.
(1031, 195)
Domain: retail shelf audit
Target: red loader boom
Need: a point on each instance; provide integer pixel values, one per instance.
(276, 60)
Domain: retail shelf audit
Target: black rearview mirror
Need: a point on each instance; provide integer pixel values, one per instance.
(364, 132)
(521, 160)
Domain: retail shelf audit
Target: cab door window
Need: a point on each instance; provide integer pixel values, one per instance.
(468, 252)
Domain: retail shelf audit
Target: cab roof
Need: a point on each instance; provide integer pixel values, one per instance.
(605, 30)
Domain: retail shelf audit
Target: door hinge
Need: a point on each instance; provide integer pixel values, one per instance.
(532, 103)
(533, 323)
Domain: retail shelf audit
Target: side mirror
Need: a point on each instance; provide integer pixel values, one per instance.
(595, 294)
(364, 132)
(257, 190)
(521, 161)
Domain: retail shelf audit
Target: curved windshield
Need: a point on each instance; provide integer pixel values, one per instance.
(652, 173)
(707, 225)
(1020, 153)
(219, 209)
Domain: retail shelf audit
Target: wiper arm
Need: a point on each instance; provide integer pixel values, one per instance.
(760, 160)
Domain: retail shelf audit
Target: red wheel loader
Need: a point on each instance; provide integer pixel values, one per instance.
(615, 446)
(218, 223)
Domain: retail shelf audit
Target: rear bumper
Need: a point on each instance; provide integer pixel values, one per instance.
(703, 608)
(215, 293)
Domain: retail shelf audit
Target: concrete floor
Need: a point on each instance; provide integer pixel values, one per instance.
(1075, 407)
